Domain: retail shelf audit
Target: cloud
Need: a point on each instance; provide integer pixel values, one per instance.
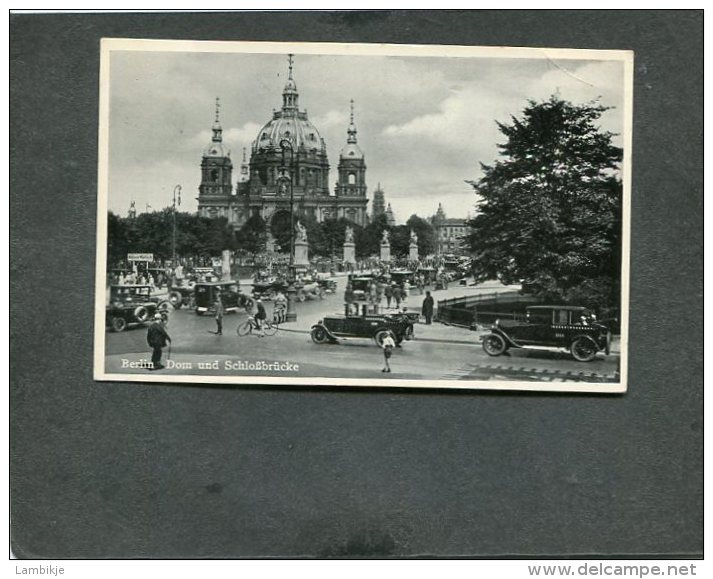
(424, 124)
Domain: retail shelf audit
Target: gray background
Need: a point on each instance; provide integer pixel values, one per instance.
(131, 470)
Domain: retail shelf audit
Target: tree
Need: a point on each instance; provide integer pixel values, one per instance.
(549, 213)
(153, 233)
(333, 231)
(425, 232)
(252, 236)
(400, 239)
(368, 239)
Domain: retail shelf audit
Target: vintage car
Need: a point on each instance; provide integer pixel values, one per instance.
(360, 286)
(328, 286)
(308, 289)
(267, 289)
(372, 326)
(181, 293)
(573, 328)
(130, 305)
(402, 275)
(206, 292)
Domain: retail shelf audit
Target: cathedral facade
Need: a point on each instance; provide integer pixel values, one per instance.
(288, 159)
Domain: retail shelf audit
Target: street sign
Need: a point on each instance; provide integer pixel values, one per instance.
(140, 257)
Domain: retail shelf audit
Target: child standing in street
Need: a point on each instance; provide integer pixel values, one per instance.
(388, 346)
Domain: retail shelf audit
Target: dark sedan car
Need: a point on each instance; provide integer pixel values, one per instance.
(130, 305)
(571, 327)
(206, 292)
(375, 327)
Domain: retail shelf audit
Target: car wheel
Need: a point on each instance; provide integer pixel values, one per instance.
(301, 296)
(176, 299)
(141, 314)
(199, 312)
(381, 335)
(319, 335)
(494, 345)
(118, 324)
(165, 307)
(408, 332)
(583, 349)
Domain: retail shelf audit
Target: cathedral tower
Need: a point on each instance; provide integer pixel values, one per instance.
(351, 168)
(216, 174)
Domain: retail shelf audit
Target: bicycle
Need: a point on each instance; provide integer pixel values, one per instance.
(269, 328)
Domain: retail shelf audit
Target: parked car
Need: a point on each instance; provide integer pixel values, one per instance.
(131, 305)
(372, 326)
(574, 328)
(206, 292)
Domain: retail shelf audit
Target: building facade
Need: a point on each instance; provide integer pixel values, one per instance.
(450, 233)
(288, 160)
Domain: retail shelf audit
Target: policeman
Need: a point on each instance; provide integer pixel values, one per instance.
(219, 311)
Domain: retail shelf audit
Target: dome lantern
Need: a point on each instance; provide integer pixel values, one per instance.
(290, 97)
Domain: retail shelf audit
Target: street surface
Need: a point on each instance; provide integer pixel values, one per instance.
(438, 352)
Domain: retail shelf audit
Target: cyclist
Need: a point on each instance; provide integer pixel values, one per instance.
(260, 317)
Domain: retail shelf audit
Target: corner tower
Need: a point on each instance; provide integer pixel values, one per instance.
(216, 174)
(350, 190)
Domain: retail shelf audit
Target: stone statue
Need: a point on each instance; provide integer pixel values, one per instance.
(385, 237)
(301, 231)
(414, 237)
(349, 235)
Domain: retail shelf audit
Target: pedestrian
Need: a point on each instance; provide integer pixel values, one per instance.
(260, 317)
(389, 293)
(406, 292)
(397, 296)
(280, 307)
(157, 336)
(219, 311)
(348, 299)
(388, 346)
(372, 296)
(427, 307)
(379, 293)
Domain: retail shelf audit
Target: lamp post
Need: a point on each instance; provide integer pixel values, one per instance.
(176, 189)
(286, 175)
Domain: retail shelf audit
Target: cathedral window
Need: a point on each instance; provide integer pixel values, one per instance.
(351, 178)
(214, 175)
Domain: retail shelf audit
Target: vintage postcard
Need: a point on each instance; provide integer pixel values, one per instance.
(363, 215)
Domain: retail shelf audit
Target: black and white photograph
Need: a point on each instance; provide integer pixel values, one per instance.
(326, 214)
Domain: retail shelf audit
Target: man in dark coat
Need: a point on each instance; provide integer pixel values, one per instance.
(157, 337)
(427, 307)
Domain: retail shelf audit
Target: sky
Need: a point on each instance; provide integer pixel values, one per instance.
(424, 123)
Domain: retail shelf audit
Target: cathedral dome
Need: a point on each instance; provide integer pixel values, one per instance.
(296, 128)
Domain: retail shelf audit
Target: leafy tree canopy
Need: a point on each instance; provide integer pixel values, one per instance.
(549, 213)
